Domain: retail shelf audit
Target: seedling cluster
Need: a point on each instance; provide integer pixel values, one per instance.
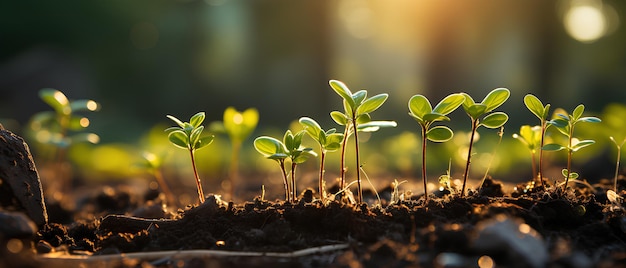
(289, 151)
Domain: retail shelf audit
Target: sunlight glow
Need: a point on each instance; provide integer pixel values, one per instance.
(585, 23)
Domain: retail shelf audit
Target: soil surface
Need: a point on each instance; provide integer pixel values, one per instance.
(531, 227)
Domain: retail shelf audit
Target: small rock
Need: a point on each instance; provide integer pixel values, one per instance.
(520, 243)
(16, 225)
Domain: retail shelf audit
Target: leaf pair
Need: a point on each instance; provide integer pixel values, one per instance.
(328, 140)
(421, 110)
(565, 124)
(187, 135)
(357, 108)
(493, 100)
(290, 147)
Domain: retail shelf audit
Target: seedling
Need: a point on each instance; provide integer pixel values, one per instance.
(421, 110)
(542, 112)
(152, 164)
(619, 152)
(54, 127)
(531, 137)
(187, 135)
(290, 147)
(238, 126)
(483, 110)
(565, 124)
(356, 117)
(329, 141)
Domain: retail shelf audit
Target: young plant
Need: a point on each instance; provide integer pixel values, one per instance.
(152, 164)
(329, 141)
(54, 127)
(356, 117)
(481, 115)
(187, 136)
(532, 138)
(421, 110)
(542, 112)
(238, 126)
(565, 124)
(619, 153)
(290, 147)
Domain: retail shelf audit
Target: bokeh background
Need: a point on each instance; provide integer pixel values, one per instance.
(144, 59)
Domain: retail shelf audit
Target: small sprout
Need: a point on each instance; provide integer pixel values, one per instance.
(614, 198)
(421, 110)
(396, 196)
(619, 152)
(187, 135)
(238, 126)
(531, 137)
(481, 115)
(329, 141)
(356, 117)
(542, 112)
(565, 124)
(290, 147)
(493, 155)
(445, 179)
(152, 164)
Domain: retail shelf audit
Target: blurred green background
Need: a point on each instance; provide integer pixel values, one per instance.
(144, 59)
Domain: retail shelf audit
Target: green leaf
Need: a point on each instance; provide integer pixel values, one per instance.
(578, 112)
(297, 138)
(204, 141)
(239, 125)
(571, 176)
(373, 126)
(372, 104)
(343, 91)
(197, 119)
(419, 106)
(553, 147)
(176, 120)
(179, 139)
(468, 102)
(358, 98)
(268, 146)
(84, 105)
(339, 117)
(288, 141)
(363, 118)
(475, 111)
(582, 144)
(433, 117)
(195, 135)
(559, 123)
(535, 106)
(495, 98)
(303, 156)
(311, 127)
(439, 134)
(56, 99)
(590, 119)
(449, 104)
(278, 156)
(495, 120)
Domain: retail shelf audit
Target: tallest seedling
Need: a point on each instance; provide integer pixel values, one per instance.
(355, 118)
(421, 110)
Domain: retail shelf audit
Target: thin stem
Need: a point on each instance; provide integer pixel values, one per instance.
(293, 181)
(158, 175)
(469, 155)
(543, 134)
(619, 151)
(358, 164)
(321, 180)
(569, 157)
(281, 163)
(424, 140)
(342, 173)
(195, 173)
(532, 158)
(233, 170)
(493, 155)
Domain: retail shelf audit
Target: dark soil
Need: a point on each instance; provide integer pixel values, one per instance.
(536, 228)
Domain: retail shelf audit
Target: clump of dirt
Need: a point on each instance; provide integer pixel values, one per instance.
(567, 228)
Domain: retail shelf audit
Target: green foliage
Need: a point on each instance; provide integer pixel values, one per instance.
(542, 112)
(565, 124)
(61, 127)
(421, 110)
(356, 117)
(481, 114)
(289, 148)
(532, 138)
(329, 141)
(187, 135)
